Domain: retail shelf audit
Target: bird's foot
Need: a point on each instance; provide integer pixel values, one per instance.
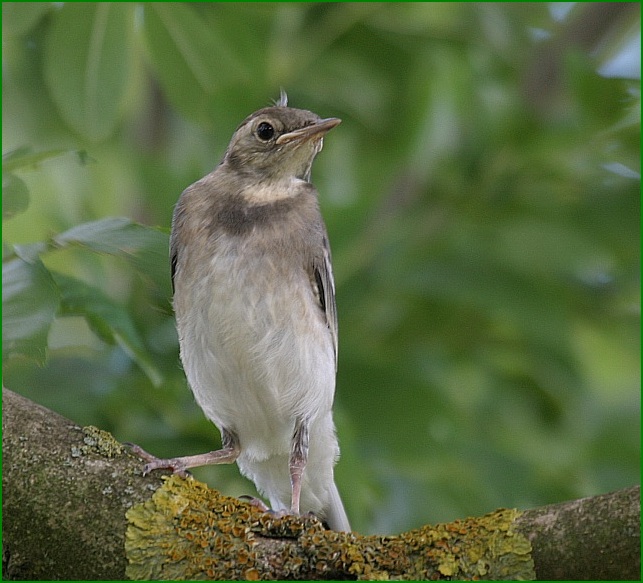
(256, 502)
(175, 465)
(263, 507)
(277, 515)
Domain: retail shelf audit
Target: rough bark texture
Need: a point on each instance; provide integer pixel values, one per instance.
(592, 539)
(67, 491)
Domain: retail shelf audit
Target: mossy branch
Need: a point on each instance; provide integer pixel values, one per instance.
(75, 506)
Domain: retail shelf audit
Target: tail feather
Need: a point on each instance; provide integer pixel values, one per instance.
(335, 513)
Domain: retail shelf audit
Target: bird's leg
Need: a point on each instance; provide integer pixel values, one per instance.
(179, 465)
(297, 462)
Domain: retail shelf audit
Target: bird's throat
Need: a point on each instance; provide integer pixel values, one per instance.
(272, 191)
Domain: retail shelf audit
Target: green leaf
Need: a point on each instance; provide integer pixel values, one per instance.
(145, 248)
(20, 17)
(30, 300)
(190, 58)
(25, 157)
(15, 196)
(109, 320)
(87, 64)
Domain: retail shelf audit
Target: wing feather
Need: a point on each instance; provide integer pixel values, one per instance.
(325, 283)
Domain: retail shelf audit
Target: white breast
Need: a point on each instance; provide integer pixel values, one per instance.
(256, 350)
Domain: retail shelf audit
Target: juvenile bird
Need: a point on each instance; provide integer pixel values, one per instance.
(254, 299)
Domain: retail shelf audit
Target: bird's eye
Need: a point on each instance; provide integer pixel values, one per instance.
(265, 131)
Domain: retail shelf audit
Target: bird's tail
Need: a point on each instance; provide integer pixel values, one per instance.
(335, 514)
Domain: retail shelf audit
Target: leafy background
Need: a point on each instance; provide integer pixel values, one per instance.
(482, 200)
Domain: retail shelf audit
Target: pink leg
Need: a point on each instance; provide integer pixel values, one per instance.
(179, 465)
(297, 463)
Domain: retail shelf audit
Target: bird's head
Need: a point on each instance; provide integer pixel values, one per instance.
(278, 142)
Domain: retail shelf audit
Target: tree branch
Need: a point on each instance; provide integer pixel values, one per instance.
(591, 539)
(75, 506)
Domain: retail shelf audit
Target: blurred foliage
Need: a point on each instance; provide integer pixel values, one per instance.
(482, 200)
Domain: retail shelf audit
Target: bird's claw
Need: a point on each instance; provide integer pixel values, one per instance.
(263, 507)
(256, 502)
(154, 463)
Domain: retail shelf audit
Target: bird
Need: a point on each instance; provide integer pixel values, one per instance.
(254, 301)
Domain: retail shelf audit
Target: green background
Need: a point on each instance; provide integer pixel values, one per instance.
(482, 198)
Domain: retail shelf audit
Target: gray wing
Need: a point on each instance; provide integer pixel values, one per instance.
(178, 226)
(174, 245)
(173, 260)
(325, 284)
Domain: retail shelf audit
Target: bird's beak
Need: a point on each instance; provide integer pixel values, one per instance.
(318, 129)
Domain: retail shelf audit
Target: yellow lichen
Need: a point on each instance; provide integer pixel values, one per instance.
(184, 532)
(475, 548)
(100, 441)
(187, 531)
